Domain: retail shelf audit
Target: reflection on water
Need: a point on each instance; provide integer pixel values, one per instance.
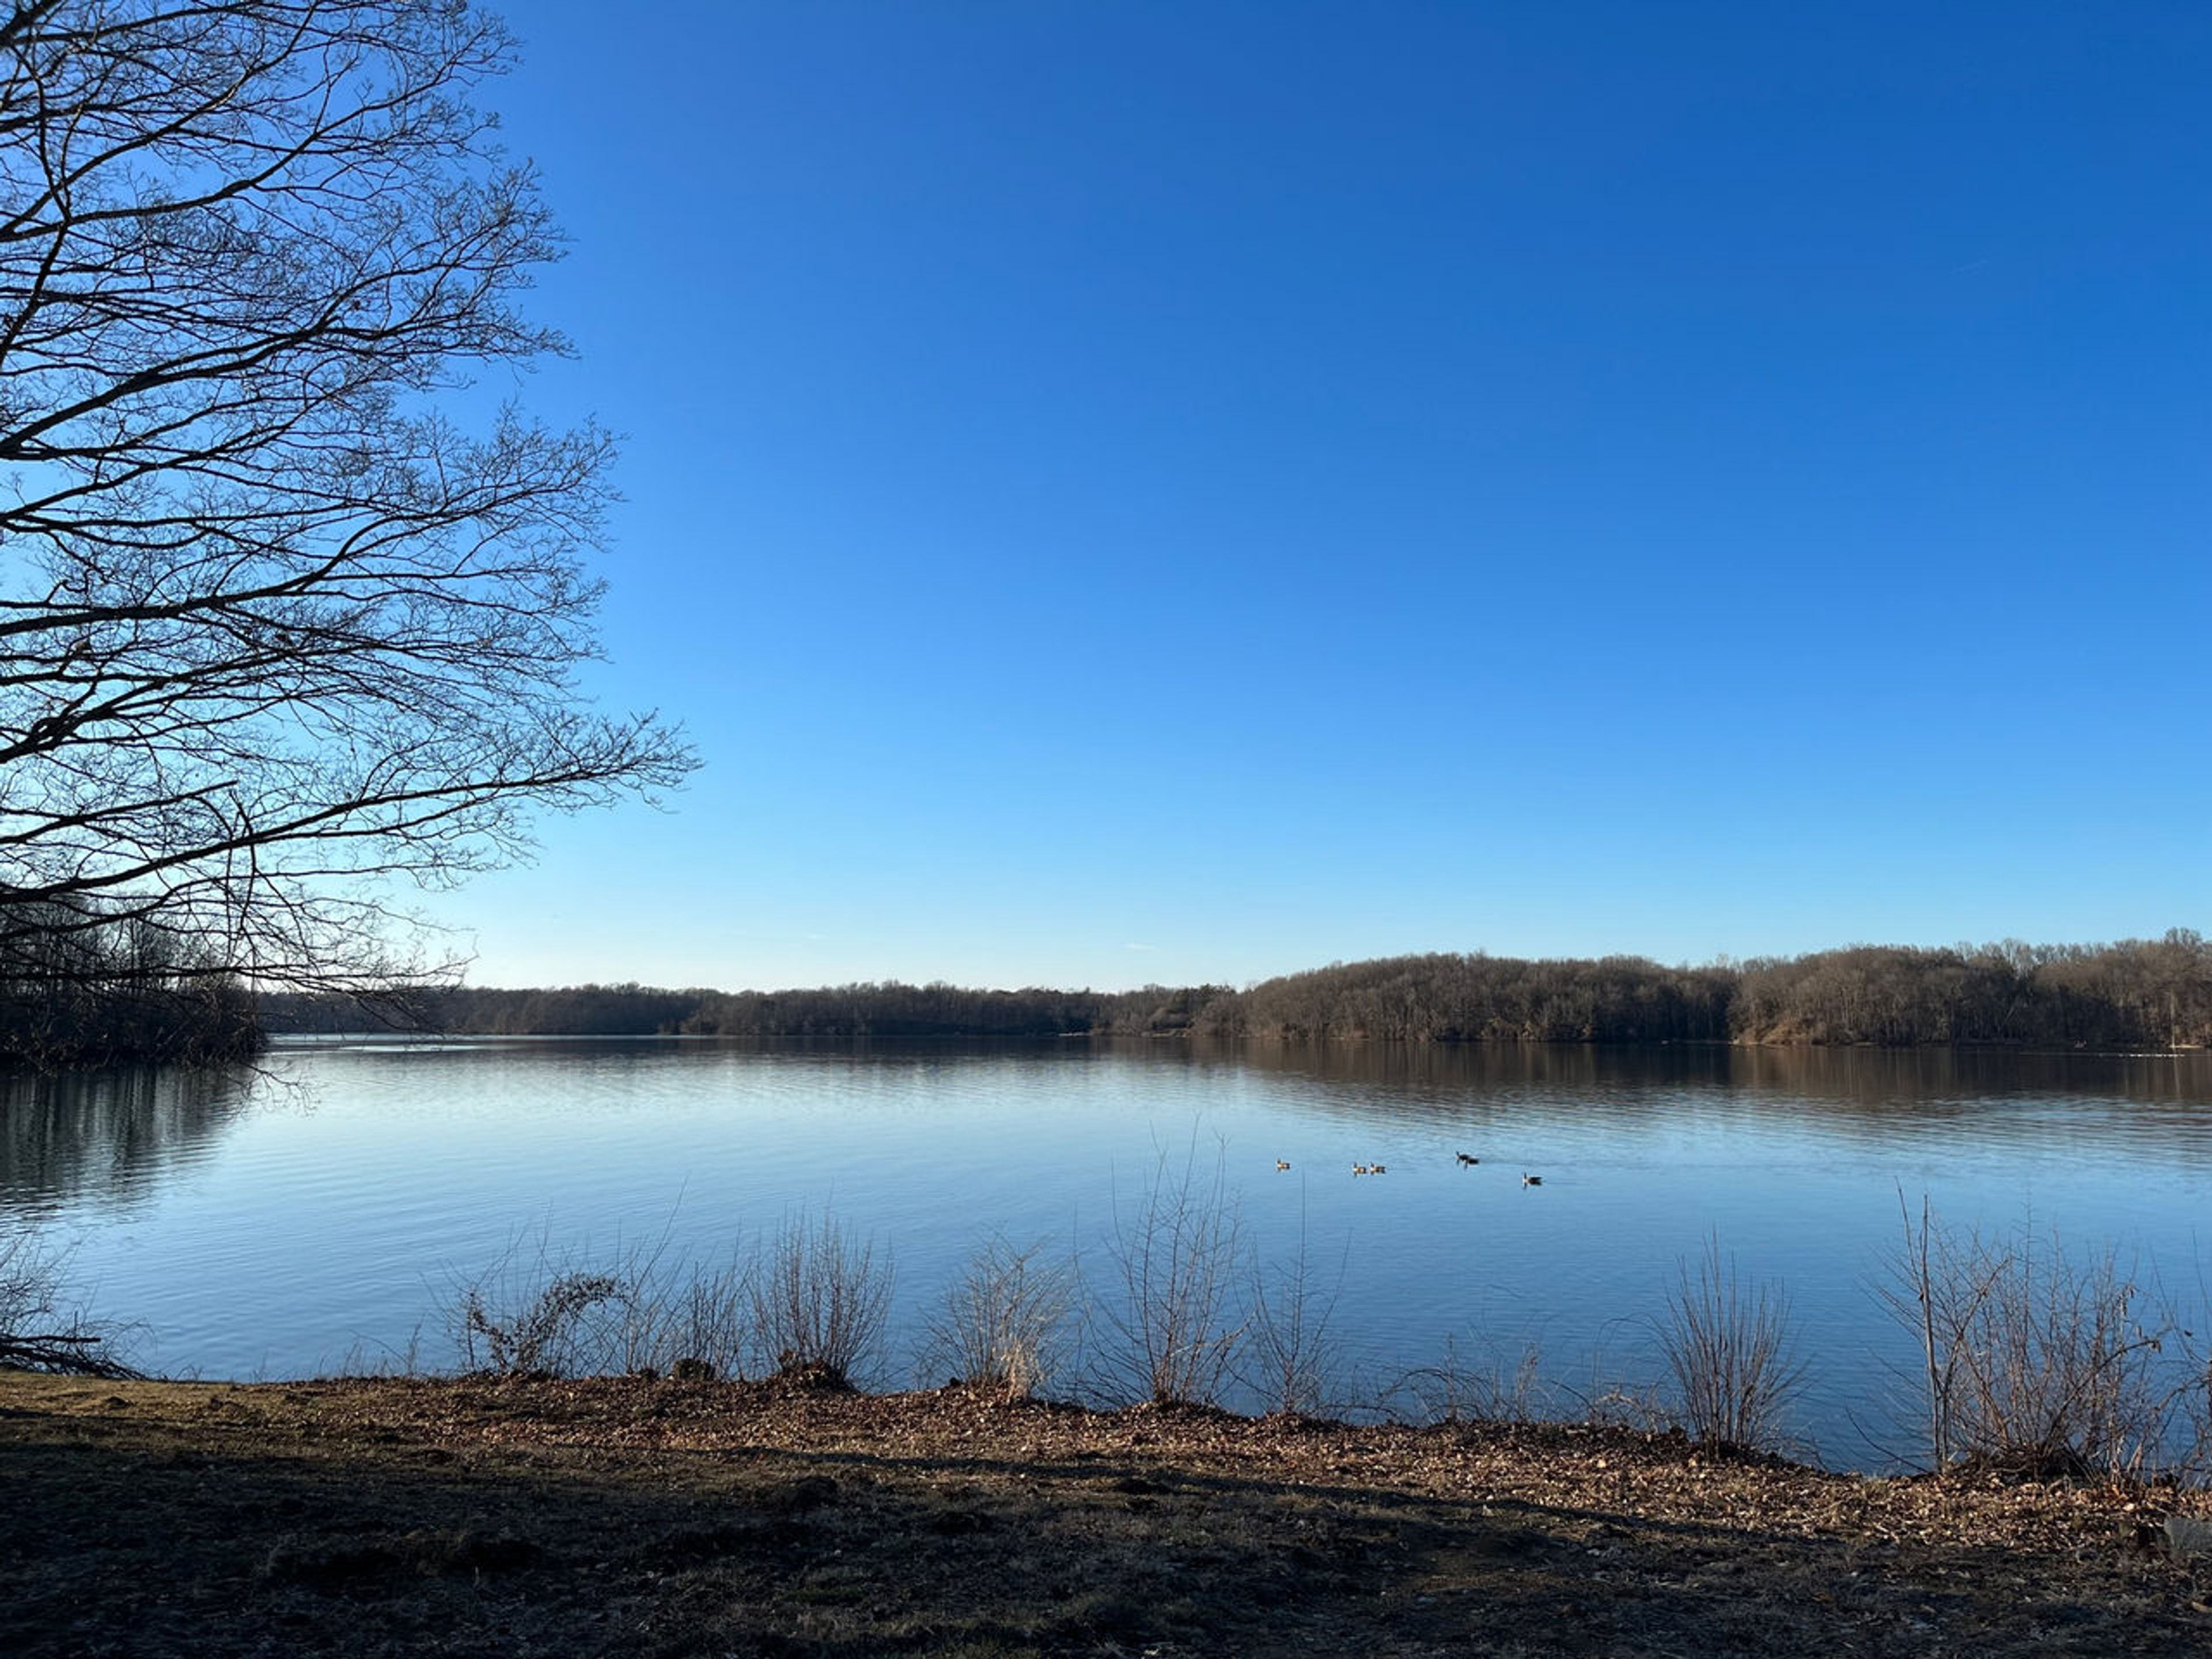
(108, 1137)
(312, 1215)
(2161, 1103)
(1880, 1077)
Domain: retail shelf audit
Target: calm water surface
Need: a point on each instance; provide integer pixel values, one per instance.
(316, 1216)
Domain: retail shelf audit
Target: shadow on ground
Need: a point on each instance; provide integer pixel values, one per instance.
(155, 1521)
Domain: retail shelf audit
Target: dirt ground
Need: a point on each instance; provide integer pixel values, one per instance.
(658, 1517)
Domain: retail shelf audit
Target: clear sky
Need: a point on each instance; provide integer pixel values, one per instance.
(1125, 492)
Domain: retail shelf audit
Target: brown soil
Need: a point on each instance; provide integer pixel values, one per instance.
(631, 1516)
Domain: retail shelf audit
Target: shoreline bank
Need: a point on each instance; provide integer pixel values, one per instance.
(624, 1515)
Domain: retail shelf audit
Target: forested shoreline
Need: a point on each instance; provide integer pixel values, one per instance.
(82, 986)
(2134, 995)
(120, 993)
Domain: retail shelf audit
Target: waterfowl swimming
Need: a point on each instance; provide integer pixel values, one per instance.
(1377, 1169)
(1468, 1157)
(1532, 1181)
(1280, 1164)
(1359, 1169)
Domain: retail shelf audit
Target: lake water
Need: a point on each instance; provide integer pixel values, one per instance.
(316, 1214)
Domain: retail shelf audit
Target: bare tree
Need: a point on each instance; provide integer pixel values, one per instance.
(276, 629)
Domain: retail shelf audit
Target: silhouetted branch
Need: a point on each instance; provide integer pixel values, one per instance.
(276, 632)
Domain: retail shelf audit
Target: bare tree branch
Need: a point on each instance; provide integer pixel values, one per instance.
(276, 631)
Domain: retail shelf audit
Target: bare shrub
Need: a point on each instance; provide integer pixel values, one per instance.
(2187, 1403)
(641, 1307)
(1291, 1360)
(1003, 1323)
(821, 1300)
(1909, 1292)
(1175, 1260)
(2191, 1403)
(2037, 1360)
(556, 1328)
(1614, 1402)
(38, 1332)
(1729, 1353)
(1464, 1388)
(687, 1320)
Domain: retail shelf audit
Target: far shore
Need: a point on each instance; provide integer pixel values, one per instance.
(2132, 996)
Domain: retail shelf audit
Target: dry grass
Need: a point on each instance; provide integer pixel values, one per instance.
(1476, 1385)
(658, 1517)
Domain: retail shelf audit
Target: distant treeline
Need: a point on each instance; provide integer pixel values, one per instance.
(2139, 994)
(880, 1010)
(894, 1009)
(2135, 995)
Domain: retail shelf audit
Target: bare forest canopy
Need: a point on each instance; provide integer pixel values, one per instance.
(2138, 993)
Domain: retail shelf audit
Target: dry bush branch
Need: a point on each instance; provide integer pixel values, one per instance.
(564, 1314)
(688, 1319)
(37, 1331)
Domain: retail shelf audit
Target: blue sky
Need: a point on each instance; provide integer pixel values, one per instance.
(1123, 492)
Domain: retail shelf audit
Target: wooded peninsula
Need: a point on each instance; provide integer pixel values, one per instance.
(2135, 994)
